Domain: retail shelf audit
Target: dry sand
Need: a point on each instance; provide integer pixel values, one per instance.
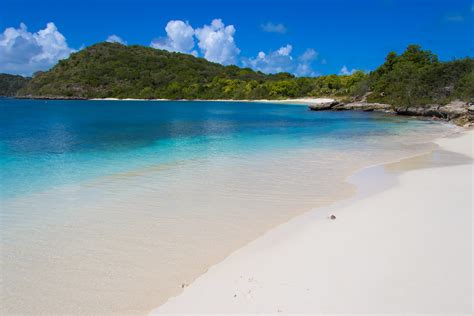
(300, 101)
(407, 249)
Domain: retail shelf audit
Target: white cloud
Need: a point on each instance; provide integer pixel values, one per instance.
(281, 60)
(345, 71)
(180, 38)
(23, 52)
(305, 70)
(273, 28)
(216, 42)
(309, 55)
(285, 50)
(272, 62)
(115, 39)
(304, 63)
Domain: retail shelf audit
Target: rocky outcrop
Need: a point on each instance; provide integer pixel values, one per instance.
(458, 112)
(323, 106)
(364, 106)
(470, 109)
(360, 106)
(454, 109)
(430, 110)
(449, 111)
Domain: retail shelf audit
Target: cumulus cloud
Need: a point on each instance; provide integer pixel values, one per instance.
(304, 70)
(180, 38)
(345, 71)
(272, 62)
(273, 28)
(115, 39)
(23, 52)
(285, 50)
(309, 55)
(281, 60)
(304, 67)
(216, 42)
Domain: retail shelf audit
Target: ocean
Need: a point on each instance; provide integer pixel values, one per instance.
(115, 206)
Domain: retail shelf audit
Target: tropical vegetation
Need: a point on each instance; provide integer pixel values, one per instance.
(114, 70)
(417, 77)
(10, 84)
(107, 70)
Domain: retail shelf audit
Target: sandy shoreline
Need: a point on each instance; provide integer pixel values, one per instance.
(298, 101)
(109, 259)
(402, 250)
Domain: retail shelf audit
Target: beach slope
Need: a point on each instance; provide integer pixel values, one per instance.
(407, 249)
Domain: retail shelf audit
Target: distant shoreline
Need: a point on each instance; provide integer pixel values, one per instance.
(297, 101)
(301, 101)
(457, 112)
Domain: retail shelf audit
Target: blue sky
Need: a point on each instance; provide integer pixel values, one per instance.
(302, 37)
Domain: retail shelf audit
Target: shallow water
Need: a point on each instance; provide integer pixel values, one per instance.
(110, 207)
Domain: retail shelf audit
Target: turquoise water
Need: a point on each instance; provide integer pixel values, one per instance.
(44, 144)
(108, 207)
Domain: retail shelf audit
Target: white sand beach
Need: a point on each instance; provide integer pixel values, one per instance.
(407, 249)
(298, 101)
(301, 101)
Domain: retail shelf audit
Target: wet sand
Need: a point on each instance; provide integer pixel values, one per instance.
(407, 249)
(128, 242)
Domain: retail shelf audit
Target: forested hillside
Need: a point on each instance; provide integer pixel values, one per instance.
(111, 70)
(417, 77)
(114, 70)
(10, 84)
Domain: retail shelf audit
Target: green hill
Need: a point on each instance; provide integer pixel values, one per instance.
(10, 84)
(105, 70)
(113, 70)
(417, 77)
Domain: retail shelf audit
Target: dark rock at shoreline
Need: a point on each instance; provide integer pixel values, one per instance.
(470, 109)
(454, 109)
(323, 106)
(431, 111)
(364, 106)
(458, 112)
(358, 106)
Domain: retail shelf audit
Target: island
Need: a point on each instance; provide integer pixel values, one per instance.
(413, 83)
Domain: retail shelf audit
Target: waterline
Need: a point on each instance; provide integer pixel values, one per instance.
(126, 240)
